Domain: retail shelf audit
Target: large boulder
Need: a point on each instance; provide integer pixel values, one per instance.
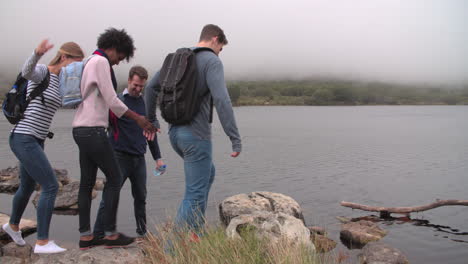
(13, 250)
(130, 255)
(9, 179)
(381, 253)
(357, 234)
(242, 204)
(27, 226)
(67, 196)
(274, 227)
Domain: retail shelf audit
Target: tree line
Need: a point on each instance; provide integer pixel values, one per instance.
(334, 92)
(331, 92)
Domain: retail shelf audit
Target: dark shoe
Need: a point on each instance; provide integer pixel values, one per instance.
(121, 241)
(96, 241)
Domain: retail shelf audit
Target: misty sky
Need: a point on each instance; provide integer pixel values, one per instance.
(405, 41)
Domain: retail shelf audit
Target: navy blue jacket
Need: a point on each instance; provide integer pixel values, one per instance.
(130, 138)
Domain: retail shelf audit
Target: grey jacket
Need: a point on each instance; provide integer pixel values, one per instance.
(211, 77)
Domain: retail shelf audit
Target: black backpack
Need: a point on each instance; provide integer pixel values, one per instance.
(179, 99)
(16, 101)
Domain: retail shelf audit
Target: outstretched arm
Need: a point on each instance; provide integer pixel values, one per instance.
(31, 70)
(222, 102)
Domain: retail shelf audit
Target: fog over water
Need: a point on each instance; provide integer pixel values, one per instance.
(424, 41)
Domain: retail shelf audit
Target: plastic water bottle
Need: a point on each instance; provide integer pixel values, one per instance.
(160, 170)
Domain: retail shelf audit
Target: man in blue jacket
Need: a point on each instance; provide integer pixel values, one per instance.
(129, 145)
(192, 141)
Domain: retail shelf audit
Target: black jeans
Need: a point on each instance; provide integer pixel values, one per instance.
(96, 152)
(132, 167)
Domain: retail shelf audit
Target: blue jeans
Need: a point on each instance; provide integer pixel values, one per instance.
(34, 167)
(132, 167)
(199, 175)
(96, 152)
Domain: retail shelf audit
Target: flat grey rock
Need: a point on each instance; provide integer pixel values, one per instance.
(13, 250)
(27, 226)
(12, 260)
(67, 196)
(9, 179)
(101, 255)
(357, 234)
(381, 253)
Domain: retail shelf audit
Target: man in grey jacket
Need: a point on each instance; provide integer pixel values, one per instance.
(192, 142)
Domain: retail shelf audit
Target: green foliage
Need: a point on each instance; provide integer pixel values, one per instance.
(263, 91)
(292, 90)
(334, 92)
(465, 91)
(234, 92)
(214, 247)
(322, 96)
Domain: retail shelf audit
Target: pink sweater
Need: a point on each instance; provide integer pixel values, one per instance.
(99, 95)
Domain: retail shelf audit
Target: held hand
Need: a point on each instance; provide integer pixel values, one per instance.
(149, 130)
(43, 47)
(235, 154)
(145, 124)
(149, 135)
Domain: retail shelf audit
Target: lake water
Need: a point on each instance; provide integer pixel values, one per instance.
(320, 156)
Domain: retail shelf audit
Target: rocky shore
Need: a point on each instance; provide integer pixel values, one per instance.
(273, 216)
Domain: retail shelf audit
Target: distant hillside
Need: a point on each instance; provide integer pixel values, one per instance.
(323, 92)
(337, 92)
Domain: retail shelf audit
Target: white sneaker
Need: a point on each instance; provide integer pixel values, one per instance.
(48, 248)
(16, 236)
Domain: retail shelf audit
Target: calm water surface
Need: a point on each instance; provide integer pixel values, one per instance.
(320, 156)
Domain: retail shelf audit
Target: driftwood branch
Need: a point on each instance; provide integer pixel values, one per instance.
(385, 211)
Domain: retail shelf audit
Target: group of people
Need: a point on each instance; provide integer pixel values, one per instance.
(112, 132)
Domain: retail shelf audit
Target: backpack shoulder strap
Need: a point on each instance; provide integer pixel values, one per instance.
(39, 89)
(20, 79)
(198, 49)
(85, 61)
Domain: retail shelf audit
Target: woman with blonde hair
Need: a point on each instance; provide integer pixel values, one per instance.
(27, 143)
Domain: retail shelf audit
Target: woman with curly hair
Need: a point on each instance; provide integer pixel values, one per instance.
(90, 125)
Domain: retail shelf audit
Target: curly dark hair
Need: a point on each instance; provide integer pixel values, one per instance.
(118, 39)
